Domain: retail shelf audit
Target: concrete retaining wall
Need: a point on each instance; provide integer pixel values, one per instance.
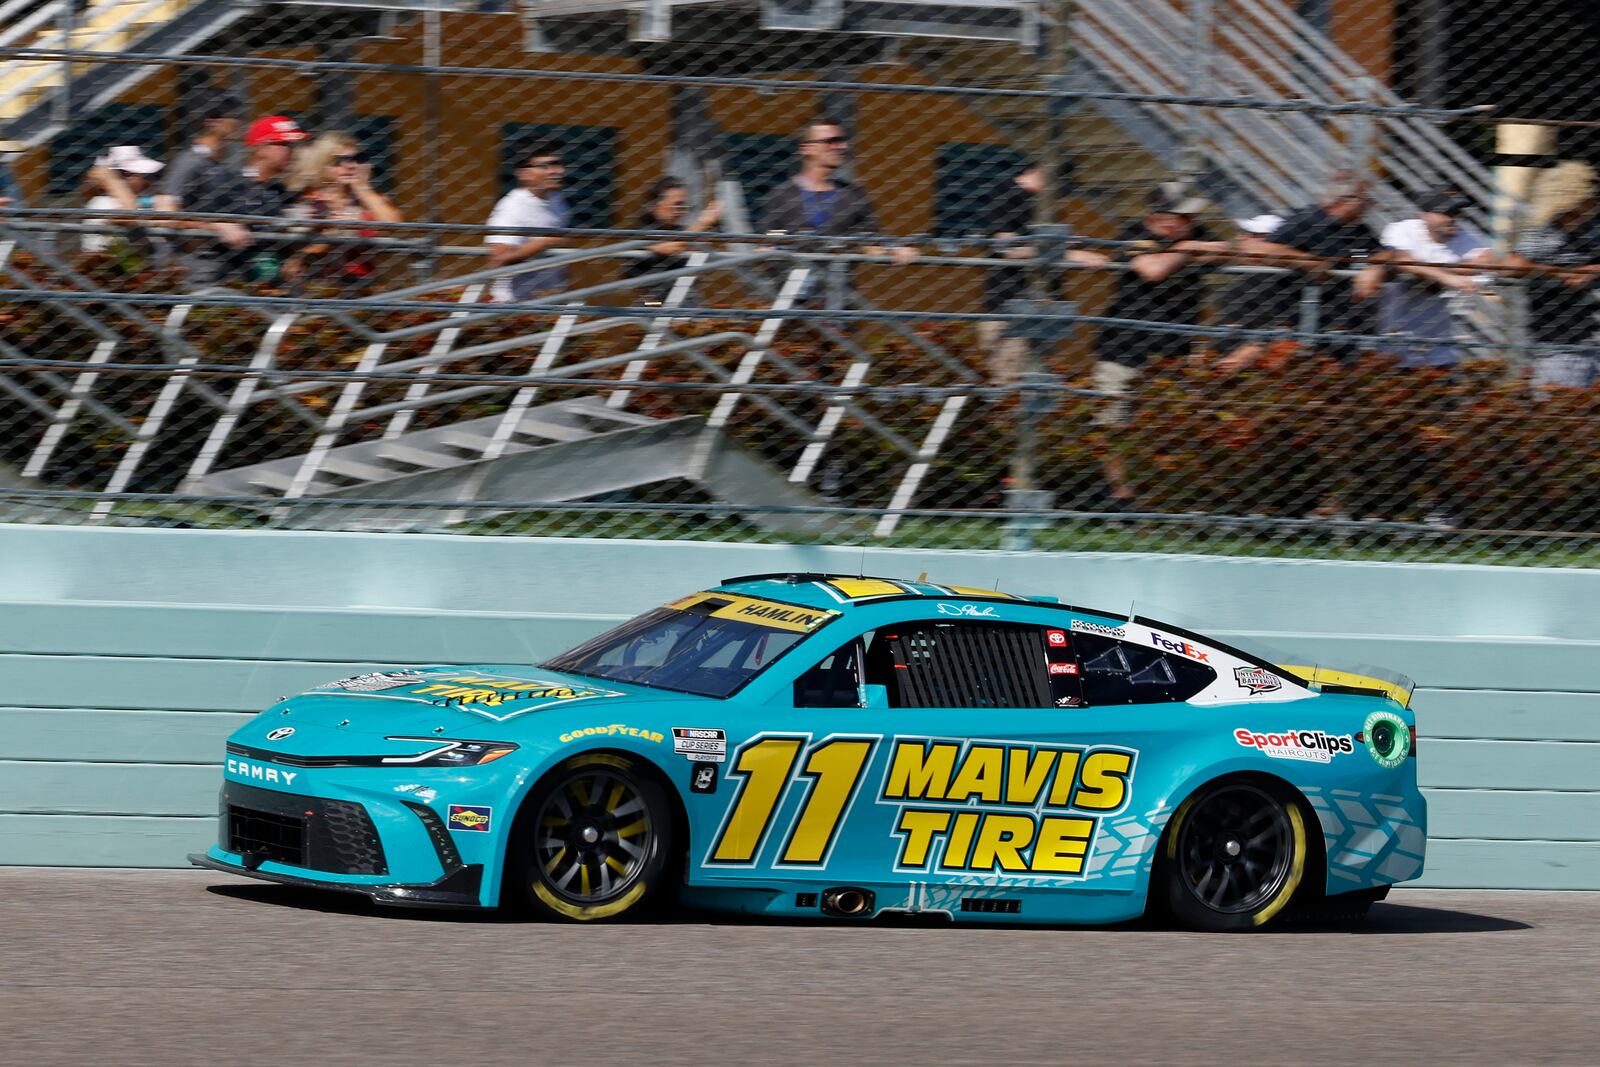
(126, 656)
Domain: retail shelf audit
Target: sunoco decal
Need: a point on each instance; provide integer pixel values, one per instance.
(473, 818)
(1311, 746)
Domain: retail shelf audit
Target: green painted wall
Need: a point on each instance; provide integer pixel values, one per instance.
(126, 656)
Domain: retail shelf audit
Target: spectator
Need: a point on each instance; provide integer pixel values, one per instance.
(198, 180)
(664, 209)
(1560, 256)
(1012, 209)
(332, 182)
(817, 200)
(535, 203)
(271, 141)
(1167, 253)
(1432, 254)
(10, 192)
(1256, 300)
(1314, 241)
(123, 180)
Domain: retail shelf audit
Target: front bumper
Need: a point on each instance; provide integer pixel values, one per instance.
(459, 889)
(390, 847)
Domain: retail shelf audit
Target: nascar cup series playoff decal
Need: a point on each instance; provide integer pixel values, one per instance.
(1388, 738)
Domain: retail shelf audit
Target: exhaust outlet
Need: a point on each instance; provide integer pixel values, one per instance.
(847, 902)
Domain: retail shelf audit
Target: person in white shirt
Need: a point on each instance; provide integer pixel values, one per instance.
(124, 177)
(1433, 256)
(536, 202)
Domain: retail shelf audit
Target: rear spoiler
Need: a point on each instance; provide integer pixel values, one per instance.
(1328, 680)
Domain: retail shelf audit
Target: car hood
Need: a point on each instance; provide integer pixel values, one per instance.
(464, 701)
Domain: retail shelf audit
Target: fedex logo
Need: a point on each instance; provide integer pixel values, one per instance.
(1182, 648)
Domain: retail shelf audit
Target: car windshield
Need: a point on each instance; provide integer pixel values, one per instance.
(686, 650)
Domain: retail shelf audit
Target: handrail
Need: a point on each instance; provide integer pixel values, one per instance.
(1294, 57)
(101, 36)
(29, 23)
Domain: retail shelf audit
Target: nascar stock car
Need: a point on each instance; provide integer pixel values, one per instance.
(828, 746)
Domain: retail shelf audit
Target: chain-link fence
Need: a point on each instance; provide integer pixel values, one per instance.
(1242, 276)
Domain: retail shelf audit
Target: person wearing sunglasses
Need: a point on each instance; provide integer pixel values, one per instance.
(332, 183)
(536, 203)
(1312, 242)
(817, 201)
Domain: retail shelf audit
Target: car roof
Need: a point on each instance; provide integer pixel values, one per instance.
(839, 592)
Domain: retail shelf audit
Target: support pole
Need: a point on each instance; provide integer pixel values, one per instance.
(1523, 149)
(1203, 26)
(1024, 493)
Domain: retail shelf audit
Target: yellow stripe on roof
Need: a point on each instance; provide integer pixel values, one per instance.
(966, 590)
(866, 588)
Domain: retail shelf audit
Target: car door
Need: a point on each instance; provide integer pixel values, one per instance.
(1007, 749)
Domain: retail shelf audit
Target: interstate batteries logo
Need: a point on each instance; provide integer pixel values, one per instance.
(1312, 746)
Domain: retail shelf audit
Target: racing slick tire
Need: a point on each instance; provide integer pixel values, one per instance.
(593, 841)
(1235, 856)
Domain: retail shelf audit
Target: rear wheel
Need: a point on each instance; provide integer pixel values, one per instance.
(594, 842)
(1235, 857)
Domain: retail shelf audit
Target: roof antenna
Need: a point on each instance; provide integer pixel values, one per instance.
(861, 567)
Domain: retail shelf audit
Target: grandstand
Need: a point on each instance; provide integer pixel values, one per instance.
(765, 397)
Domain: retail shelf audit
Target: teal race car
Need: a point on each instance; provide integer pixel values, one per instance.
(826, 746)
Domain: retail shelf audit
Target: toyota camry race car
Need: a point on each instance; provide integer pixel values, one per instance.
(818, 745)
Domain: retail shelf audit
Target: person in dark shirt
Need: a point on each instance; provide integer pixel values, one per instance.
(1167, 255)
(1312, 242)
(1012, 210)
(817, 200)
(198, 179)
(665, 207)
(1560, 257)
(271, 141)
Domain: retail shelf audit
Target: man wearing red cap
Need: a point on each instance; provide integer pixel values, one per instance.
(271, 142)
(199, 180)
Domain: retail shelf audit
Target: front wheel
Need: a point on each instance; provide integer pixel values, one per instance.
(595, 841)
(1235, 857)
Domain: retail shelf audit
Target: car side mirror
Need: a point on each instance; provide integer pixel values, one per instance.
(874, 696)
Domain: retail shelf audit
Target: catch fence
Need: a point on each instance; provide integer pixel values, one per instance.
(1100, 281)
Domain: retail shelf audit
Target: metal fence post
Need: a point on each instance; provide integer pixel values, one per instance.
(1203, 19)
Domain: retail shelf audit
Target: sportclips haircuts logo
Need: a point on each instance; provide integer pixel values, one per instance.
(1313, 746)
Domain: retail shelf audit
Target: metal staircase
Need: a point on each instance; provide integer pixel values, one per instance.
(38, 97)
(563, 451)
(1255, 160)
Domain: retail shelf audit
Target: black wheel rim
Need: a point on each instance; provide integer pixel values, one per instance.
(594, 836)
(1235, 849)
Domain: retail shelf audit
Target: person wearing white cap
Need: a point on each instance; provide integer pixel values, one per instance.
(123, 178)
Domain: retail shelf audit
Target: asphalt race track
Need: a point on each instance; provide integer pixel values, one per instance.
(175, 967)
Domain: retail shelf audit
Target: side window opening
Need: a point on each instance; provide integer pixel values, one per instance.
(833, 683)
(1117, 672)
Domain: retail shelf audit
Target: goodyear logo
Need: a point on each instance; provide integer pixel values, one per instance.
(1011, 809)
(616, 729)
(471, 817)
